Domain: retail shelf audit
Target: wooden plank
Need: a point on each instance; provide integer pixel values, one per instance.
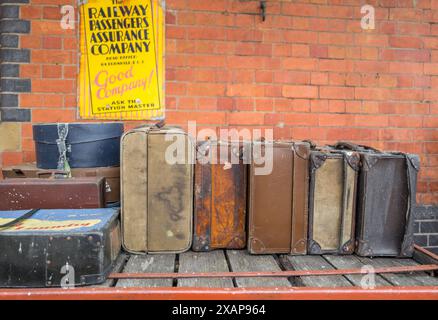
(401, 279)
(352, 262)
(213, 261)
(150, 263)
(317, 263)
(241, 261)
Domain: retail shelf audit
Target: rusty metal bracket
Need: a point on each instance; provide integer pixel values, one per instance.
(291, 273)
(263, 10)
(426, 252)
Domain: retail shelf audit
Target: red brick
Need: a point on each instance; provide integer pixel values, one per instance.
(30, 42)
(319, 78)
(241, 62)
(405, 42)
(336, 120)
(51, 56)
(206, 33)
(173, 88)
(300, 64)
(372, 94)
(431, 68)
(245, 118)
(52, 13)
(301, 105)
(300, 50)
(244, 90)
(373, 40)
(336, 93)
(26, 130)
(292, 77)
(298, 9)
(30, 71)
(207, 103)
(70, 72)
(264, 104)
(335, 65)
(30, 12)
(406, 121)
(371, 121)
(48, 85)
(11, 158)
(53, 115)
(405, 55)
(205, 89)
(201, 5)
(300, 91)
(52, 71)
(337, 106)
(263, 76)
(301, 119)
(52, 43)
(187, 103)
(71, 101)
(336, 11)
(47, 27)
(318, 51)
(431, 122)
(244, 104)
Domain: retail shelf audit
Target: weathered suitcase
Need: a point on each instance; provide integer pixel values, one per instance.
(157, 193)
(278, 210)
(386, 200)
(332, 201)
(220, 196)
(111, 175)
(77, 145)
(74, 193)
(58, 248)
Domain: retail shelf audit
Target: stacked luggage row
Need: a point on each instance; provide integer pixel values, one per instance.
(339, 199)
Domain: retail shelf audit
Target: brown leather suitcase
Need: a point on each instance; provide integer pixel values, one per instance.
(278, 200)
(332, 201)
(386, 201)
(111, 175)
(220, 197)
(157, 196)
(72, 193)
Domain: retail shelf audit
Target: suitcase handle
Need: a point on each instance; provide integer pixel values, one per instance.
(18, 172)
(353, 147)
(157, 125)
(25, 216)
(312, 144)
(52, 174)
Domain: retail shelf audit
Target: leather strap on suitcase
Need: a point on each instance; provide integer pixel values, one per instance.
(25, 216)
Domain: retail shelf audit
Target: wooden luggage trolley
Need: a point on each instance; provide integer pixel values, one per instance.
(234, 274)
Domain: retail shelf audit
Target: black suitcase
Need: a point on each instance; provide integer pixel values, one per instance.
(58, 248)
(385, 201)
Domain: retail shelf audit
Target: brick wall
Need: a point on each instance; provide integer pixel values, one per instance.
(308, 71)
(426, 227)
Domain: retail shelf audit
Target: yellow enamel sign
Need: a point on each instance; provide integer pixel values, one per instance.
(122, 65)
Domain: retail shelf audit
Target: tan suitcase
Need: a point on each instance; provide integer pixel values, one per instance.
(157, 197)
(332, 201)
